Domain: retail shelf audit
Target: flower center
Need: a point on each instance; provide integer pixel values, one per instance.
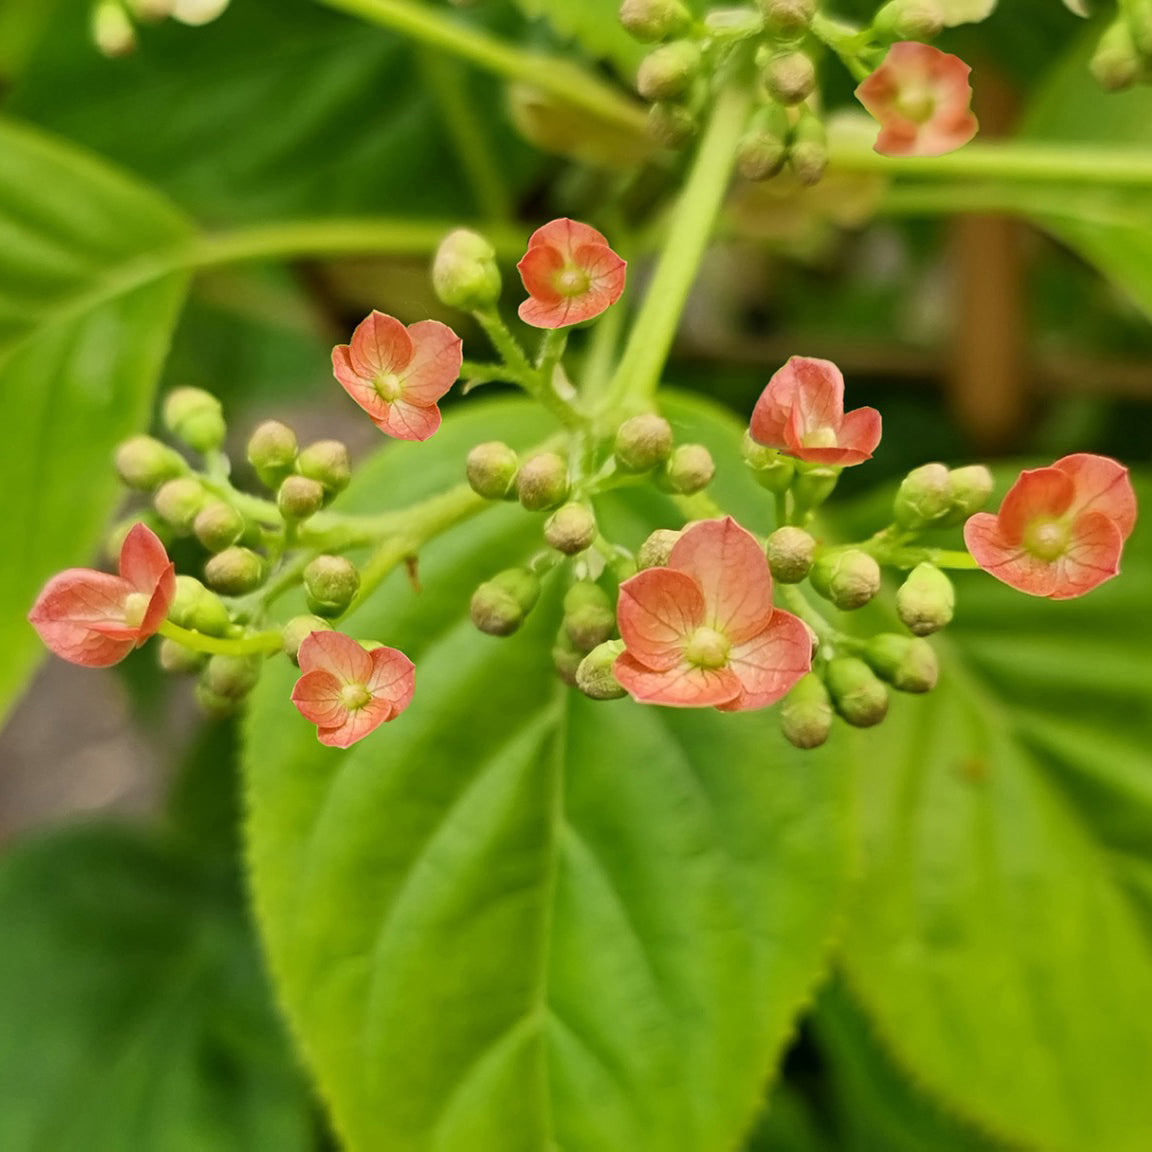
(917, 103)
(571, 281)
(1047, 539)
(135, 606)
(354, 696)
(389, 386)
(822, 437)
(707, 648)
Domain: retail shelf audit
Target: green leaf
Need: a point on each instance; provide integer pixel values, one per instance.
(1003, 950)
(133, 1012)
(84, 325)
(514, 919)
(595, 26)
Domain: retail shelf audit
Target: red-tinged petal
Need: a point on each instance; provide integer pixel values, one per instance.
(357, 725)
(158, 605)
(380, 345)
(683, 686)
(538, 269)
(80, 645)
(860, 431)
(770, 663)
(607, 271)
(590, 304)
(565, 235)
(86, 597)
(317, 698)
(1102, 485)
(544, 314)
(731, 570)
(143, 560)
(333, 652)
(358, 387)
(393, 678)
(1040, 492)
(435, 363)
(408, 421)
(657, 609)
(805, 384)
(1006, 559)
(1093, 556)
(942, 135)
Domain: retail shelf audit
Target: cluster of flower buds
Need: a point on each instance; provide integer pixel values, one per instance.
(114, 22)
(1123, 55)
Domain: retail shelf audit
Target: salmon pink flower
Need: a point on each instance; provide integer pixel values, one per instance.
(1060, 530)
(571, 275)
(921, 97)
(397, 374)
(703, 632)
(802, 413)
(348, 691)
(95, 618)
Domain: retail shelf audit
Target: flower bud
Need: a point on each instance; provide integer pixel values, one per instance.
(670, 125)
(196, 418)
(806, 714)
(909, 20)
(588, 616)
(326, 462)
(689, 469)
(856, 692)
(177, 501)
(218, 525)
(969, 489)
(566, 658)
(1117, 62)
(906, 662)
(464, 272)
(194, 607)
(297, 630)
(594, 676)
(652, 20)
(571, 528)
(232, 677)
(235, 571)
(769, 468)
(175, 658)
(764, 147)
(214, 704)
(813, 485)
(925, 601)
(272, 452)
(112, 30)
(642, 442)
(789, 77)
(499, 605)
(668, 71)
(849, 578)
(808, 154)
(492, 469)
(330, 585)
(654, 552)
(1139, 13)
(790, 553)
(923, 498)
(542, 481)
(787, 19)
(299, 497)
(144, 463)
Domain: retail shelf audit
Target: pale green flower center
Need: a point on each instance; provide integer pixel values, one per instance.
(571, 281)
(135, 606)
(354, 697)
(822, 437)
(1047, 539)
(707, 648)
(389, 386)
(917, 103)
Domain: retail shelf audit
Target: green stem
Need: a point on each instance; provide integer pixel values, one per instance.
(250, 645)
(797, 603)
(941, 557)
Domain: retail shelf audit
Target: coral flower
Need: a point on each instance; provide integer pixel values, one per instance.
(1060, 530)
(95, 618)
(397, 374)
(571, 275)
(703, 632)
(802, 412)
(348, 691)
(921, 97)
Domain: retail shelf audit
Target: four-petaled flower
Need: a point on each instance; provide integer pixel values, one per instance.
(571, 274)
(921, 97)
(1060, 530)
(347, 690)
(397, 374)
(95, 618)
(802, 413)
(703, 632)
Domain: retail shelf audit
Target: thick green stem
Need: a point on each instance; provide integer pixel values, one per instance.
(251, 645)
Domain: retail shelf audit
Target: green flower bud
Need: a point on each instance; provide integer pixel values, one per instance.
(788, 19)
(909, 20)
(1117, 62)
(906, 662)
(196, 418)
(500, 605)
(542, 481)
(856, 692)
(326, 462)
(297, 630)
(232, 677)
(813, 485)
(808, 154)
(1139, 13)
(849, 578)
(789, 77)
(926, 600)
(175, 658)
(212, 703)
(112, 30)
(769, 468)
(790, 553)
(642, 442)
(667, 72)
(235, 571)
(144, 463)
(764, 147)
(178, 501)
(299, 497)
(571, 529)
(272, 452)
(671, 125)
(194, 607)
(566, 658)
(594, 676)
(218, 525)
(654, 552)
(923, 498)
(330, 585)
(689, 469)
(732, 23)
(492, 469)
(969, 489)
(652, 20)
(806, 713)
(588, 616)
(464, 273)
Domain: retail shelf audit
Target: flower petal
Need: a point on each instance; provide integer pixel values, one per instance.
(393, 677)
(657, 609)
(336, 653)
(1102, 485)
(1093, 556)
(538, 268)
(771, 662)
(1038, 492)
(143, 560)
(1006, 559)
(317, 698)
(435, 363)
(357, 725)
(682, 686)
(380, 345)
(408, 421)
(358, 387)
(806, 385)
(565, 235)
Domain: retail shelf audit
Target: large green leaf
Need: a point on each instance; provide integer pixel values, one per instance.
(133, 1012)
(83, 332)
(1003, 948)
(517, 920)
